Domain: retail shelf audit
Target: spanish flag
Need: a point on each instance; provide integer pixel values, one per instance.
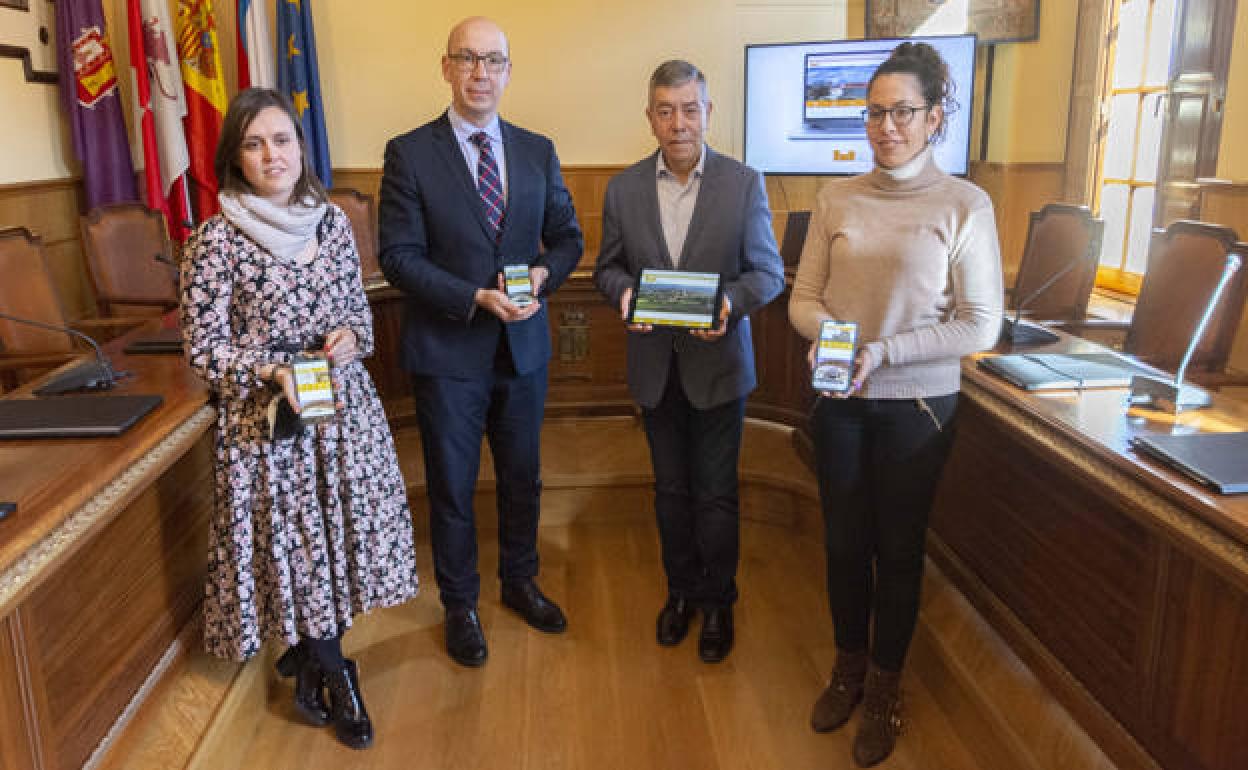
(199, 51)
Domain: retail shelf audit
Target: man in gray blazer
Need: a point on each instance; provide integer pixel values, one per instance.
(686, 207)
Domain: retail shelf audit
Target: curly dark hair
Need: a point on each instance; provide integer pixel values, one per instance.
(925, 63)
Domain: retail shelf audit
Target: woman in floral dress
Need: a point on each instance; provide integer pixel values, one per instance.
(309, 530)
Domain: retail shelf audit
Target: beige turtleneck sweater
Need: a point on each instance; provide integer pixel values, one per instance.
(911, 255)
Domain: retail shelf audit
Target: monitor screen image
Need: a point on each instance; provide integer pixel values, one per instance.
(804, 103)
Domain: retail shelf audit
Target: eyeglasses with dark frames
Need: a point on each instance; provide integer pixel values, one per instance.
(466, 61)
(902, 114)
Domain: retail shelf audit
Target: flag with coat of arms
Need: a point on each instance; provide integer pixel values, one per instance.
(199, 51)
(89, 96)
(299, 77)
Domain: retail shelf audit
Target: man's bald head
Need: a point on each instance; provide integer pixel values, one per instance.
(477, 66)
(475, 28)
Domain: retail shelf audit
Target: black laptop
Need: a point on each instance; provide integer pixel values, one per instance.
(163, 341)
(72, 416)
(1217, 460)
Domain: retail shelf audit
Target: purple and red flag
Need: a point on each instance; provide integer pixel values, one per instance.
(92, 103)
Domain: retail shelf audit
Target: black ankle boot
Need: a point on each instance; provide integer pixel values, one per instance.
(346, 707)
(309, 684)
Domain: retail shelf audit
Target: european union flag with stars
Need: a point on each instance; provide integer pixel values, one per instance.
(299, 77)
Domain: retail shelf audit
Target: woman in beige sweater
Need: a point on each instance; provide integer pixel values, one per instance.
(910, 254)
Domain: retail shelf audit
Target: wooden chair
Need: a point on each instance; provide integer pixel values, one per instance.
(361, 209)
(1185, 263)
(28, 291)
(129, 258)
(1058, 236)
(795, 227)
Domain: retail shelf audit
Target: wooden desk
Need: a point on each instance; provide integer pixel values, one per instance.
(101, 566)
(1123, 584)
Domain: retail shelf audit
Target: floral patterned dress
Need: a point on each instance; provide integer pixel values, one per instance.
(308, 531)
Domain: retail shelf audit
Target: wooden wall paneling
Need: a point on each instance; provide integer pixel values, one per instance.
(784, 393)
(50, 209)
(1225, 203)
(1017, 189)
(23, 744)
(1201, 692)
(1058, 560)
(588, 186)
(101, 625)
(366, 180)
(385, 366)
(588, 368)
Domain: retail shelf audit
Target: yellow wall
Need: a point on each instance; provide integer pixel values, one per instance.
(1031, 92)
(1233, 153)
(33, 140)
(580, 72)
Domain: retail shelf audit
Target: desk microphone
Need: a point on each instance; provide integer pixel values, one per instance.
(1174, 396)
(1014, 332)
(88, 375)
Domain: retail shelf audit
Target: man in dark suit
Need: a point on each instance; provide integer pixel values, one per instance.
(687, 207)
(461, 197)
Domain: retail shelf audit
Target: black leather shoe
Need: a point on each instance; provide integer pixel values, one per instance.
(465, 641)
(673, 623)
(538, 611)
(716, 640)
(346, 707)
(309, 684)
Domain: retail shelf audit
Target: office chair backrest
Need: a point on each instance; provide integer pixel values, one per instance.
(1059, 234)
(795, 227)
(27, 291)
(1185, 262)
(362, 211)
(122, 243)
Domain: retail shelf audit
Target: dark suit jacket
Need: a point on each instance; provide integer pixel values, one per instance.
(730, 234)
(438, 247)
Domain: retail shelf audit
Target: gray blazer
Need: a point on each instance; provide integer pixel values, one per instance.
(730, 234)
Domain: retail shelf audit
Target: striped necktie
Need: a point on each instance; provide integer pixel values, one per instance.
(489, 186)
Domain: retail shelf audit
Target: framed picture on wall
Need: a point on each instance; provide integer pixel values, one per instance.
(993, 21)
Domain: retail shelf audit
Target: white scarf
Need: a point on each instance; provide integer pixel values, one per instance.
(283, 231)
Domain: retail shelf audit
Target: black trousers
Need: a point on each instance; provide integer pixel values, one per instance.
(879, 461)
(694, 453)
(453, 415)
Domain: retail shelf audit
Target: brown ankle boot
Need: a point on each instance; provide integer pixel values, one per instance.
(843, 692)
(881, 717)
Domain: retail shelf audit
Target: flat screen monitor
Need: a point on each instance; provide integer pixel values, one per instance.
(804, 103)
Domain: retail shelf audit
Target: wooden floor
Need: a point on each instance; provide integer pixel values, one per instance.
(605, 695)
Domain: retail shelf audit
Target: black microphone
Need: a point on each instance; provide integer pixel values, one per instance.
(1014, 332)
(88, 375)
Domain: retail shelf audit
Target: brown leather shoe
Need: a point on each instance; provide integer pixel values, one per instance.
(843, 692)
(881, 717)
